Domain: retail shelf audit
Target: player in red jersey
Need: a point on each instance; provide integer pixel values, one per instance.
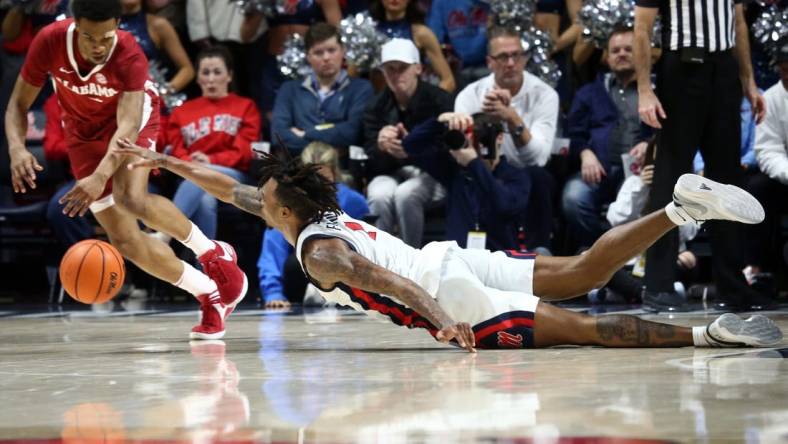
(101, 80)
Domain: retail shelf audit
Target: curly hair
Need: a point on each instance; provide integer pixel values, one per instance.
(300, 186)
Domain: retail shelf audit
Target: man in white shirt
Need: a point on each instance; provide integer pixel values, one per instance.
(527, 105)
(771, 151)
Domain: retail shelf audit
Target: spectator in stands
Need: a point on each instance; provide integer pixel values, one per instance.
(155, 34)
(526, 105)
(280, 275)
(327, 105)
(68, 230)
(20, 23)
(399, 192)
(216, 129)
(211, 22)
(603, 125)
(463, 25)
(771, 151)
(485, 194)
(528, 108)
(404, 19)
(296, 19)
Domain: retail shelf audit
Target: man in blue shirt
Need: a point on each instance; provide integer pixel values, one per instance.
(327, 105)
(463, 24)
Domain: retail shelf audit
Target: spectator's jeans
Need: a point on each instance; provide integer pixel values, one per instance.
(582, 204)
(401, 198)
(200, 206)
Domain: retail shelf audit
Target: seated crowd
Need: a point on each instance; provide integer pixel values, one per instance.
(574, 159)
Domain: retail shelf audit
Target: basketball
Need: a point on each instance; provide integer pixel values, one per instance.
(92, 271)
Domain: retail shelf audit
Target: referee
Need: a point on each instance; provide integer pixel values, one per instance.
(703, 72)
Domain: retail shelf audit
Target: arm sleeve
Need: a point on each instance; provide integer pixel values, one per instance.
(282, 119)
(509, 194)
(422, 145)
(241, 151)
(348, 132)
(629, 202)
(271, 264)
(197, 20)
(770, 148)
(542, 130)
(175, 137)
(36, 67)
(373, 122)
(466, 102)
(579, 125)
(55, 147)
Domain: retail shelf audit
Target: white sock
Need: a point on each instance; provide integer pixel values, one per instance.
(677, 215)
(701, 339)
(197, 241)
(195, 281)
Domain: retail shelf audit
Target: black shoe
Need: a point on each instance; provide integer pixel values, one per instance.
(663, 301)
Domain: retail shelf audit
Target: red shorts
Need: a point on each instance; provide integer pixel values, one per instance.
(85, 155)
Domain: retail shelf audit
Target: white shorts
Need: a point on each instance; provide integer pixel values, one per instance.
(492, 292)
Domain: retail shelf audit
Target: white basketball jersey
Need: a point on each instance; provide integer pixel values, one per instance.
(421, 266)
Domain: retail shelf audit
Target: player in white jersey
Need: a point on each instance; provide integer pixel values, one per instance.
(471, 297)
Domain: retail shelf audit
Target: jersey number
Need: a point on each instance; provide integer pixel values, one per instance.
(357, 227)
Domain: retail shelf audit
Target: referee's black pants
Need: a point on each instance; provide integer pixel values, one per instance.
(702, 102)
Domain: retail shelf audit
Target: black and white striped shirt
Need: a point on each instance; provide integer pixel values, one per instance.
(708, 24)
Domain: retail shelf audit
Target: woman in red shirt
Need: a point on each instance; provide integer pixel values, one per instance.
(216, 129)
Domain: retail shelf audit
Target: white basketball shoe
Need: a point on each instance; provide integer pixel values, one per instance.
(700, 199)
(730, 330)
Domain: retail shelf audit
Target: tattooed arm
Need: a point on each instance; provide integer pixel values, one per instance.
(330, 261)
(218, 185)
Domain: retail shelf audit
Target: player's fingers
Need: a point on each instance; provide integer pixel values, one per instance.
(17, 182)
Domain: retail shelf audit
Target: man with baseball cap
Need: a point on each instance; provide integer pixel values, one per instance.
(399, 193)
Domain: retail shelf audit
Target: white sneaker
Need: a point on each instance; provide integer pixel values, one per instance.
(730, 330)
(702, 199)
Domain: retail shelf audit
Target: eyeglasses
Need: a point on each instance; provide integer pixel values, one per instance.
(503, 58)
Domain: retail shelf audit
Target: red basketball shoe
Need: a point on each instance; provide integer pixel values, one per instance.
(221, 265)
(212, 314)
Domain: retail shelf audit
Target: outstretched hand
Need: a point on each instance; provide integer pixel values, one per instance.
(147, 158)
(460, 331)
(23, 170)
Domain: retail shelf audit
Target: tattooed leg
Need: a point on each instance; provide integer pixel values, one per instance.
(556, 326)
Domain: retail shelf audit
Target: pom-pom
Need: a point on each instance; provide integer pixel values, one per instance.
(362, 41)
(292, 61)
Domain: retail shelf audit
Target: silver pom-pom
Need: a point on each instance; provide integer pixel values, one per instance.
(169, 97)
(362, 41)
(269, 8)
(600, 17)
(770, 28)
(292, 61)
(517, 14)
(538, 45)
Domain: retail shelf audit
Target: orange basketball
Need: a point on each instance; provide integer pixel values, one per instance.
(92, 271)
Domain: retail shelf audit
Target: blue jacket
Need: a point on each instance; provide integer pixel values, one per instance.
(591, 119)
(340, 115)
(275, 249)
(494, 200)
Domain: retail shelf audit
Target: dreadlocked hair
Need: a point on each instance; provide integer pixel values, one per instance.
(300, 186)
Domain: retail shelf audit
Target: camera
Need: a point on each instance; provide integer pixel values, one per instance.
(485, 131)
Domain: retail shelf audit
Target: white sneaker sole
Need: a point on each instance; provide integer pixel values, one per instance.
(206, 336)
(722, 201)
(234, 303)
(757, 330)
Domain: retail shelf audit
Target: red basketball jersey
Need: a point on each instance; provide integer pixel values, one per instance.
(88, 94)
